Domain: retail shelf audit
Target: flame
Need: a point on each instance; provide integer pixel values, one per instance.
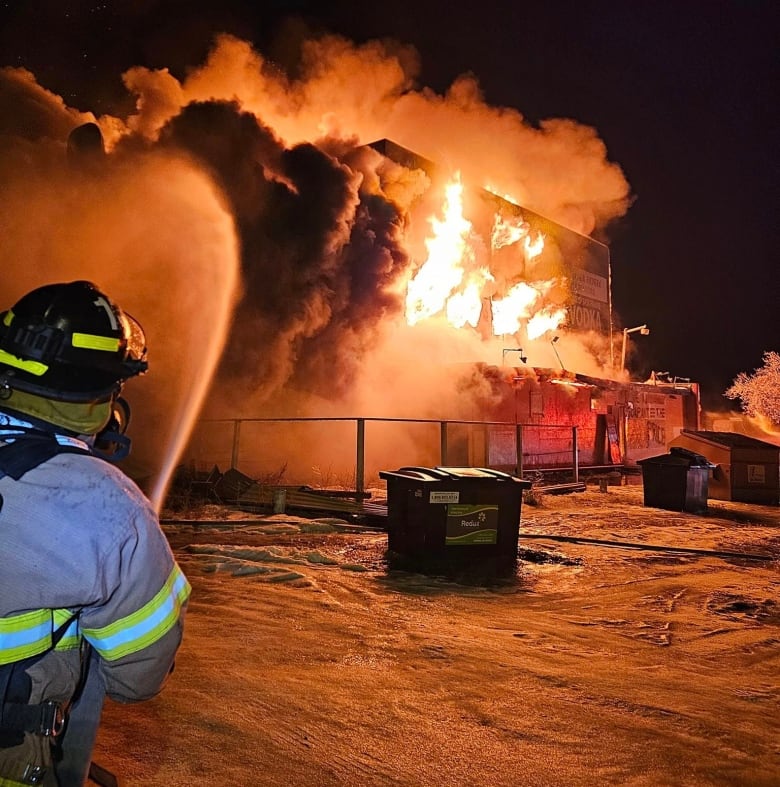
(533, 246)
(466, 306)
(450, 282)
(543, 321)
(442, 272)
(509, 311)
(506, 232)
(504, 196)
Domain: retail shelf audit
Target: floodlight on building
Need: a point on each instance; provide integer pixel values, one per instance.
(506, 350)
(663, 377)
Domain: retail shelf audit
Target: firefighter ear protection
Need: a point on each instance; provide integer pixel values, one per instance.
(111, 443)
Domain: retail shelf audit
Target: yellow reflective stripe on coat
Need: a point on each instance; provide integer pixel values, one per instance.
(25, 635)
(29, 634)
(144, 627)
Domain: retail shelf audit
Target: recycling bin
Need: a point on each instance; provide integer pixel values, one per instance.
(677, 481)
(454, 518)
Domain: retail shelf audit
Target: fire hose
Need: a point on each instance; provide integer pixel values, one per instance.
(651, 547)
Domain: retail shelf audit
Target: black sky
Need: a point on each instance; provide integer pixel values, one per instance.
(683, 93)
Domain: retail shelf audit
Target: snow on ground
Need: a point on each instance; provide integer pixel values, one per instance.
(307, 661)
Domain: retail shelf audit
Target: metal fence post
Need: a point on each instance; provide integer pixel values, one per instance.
(236, 436)
(519, 450)
(443, 444)
(360, 459)
(575, 454)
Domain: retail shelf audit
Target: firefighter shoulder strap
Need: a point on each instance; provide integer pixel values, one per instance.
(32, 449)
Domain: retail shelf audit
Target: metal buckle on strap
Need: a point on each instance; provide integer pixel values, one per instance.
(52, 719)
(33, 774)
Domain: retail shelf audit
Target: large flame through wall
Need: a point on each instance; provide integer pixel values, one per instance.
(455, 281)
(447, 281)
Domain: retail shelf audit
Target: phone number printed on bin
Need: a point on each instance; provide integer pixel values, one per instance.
(444, 497)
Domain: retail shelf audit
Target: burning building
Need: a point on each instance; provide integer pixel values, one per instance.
(528, 284)
(616, 423)
(503, 269)
(498, 282)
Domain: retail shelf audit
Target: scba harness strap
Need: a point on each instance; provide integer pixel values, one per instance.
(33, 449)
(29, 442)
(17, 715)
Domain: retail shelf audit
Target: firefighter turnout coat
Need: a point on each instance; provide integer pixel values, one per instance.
(83, 561)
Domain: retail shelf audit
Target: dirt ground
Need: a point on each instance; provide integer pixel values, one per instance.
(307, 661)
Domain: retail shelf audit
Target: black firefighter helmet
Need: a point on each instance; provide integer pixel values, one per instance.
(69, 342)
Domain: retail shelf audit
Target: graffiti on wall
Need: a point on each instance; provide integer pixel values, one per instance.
(646, 422)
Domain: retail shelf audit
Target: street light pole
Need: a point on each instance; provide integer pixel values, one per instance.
(643, 330)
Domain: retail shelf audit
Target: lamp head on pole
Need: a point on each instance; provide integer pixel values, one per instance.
(643, 331)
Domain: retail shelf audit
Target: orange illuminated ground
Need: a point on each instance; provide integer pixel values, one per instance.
(306, 662)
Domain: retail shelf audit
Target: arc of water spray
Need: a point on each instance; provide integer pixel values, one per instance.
(209, 353)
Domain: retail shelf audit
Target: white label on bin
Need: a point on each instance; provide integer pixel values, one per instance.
(756, 474)
(444, 497)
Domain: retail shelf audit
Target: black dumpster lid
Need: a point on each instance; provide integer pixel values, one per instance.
(680, 457)
(452, 474)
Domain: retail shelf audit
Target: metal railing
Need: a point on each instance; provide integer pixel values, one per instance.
(561, 450)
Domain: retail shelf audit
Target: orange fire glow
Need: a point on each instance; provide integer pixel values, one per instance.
(451, 281)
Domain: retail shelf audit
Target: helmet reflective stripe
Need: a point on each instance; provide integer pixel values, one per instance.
(32, 367)
(25, 635)
(101, 302)
(145, 626)
(88, 341)
(8, 318)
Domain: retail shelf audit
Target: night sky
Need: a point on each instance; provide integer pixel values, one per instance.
(684, 95)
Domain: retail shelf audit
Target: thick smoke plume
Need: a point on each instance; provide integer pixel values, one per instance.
(323, 224)
(151, 230)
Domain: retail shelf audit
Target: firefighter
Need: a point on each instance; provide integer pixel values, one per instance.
(92, 601)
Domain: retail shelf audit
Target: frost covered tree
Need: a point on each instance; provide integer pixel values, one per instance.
(760, 391)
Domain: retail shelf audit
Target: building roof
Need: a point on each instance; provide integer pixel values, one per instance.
(730, 439)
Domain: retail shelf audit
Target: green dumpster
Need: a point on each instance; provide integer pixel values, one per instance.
(454, 518)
